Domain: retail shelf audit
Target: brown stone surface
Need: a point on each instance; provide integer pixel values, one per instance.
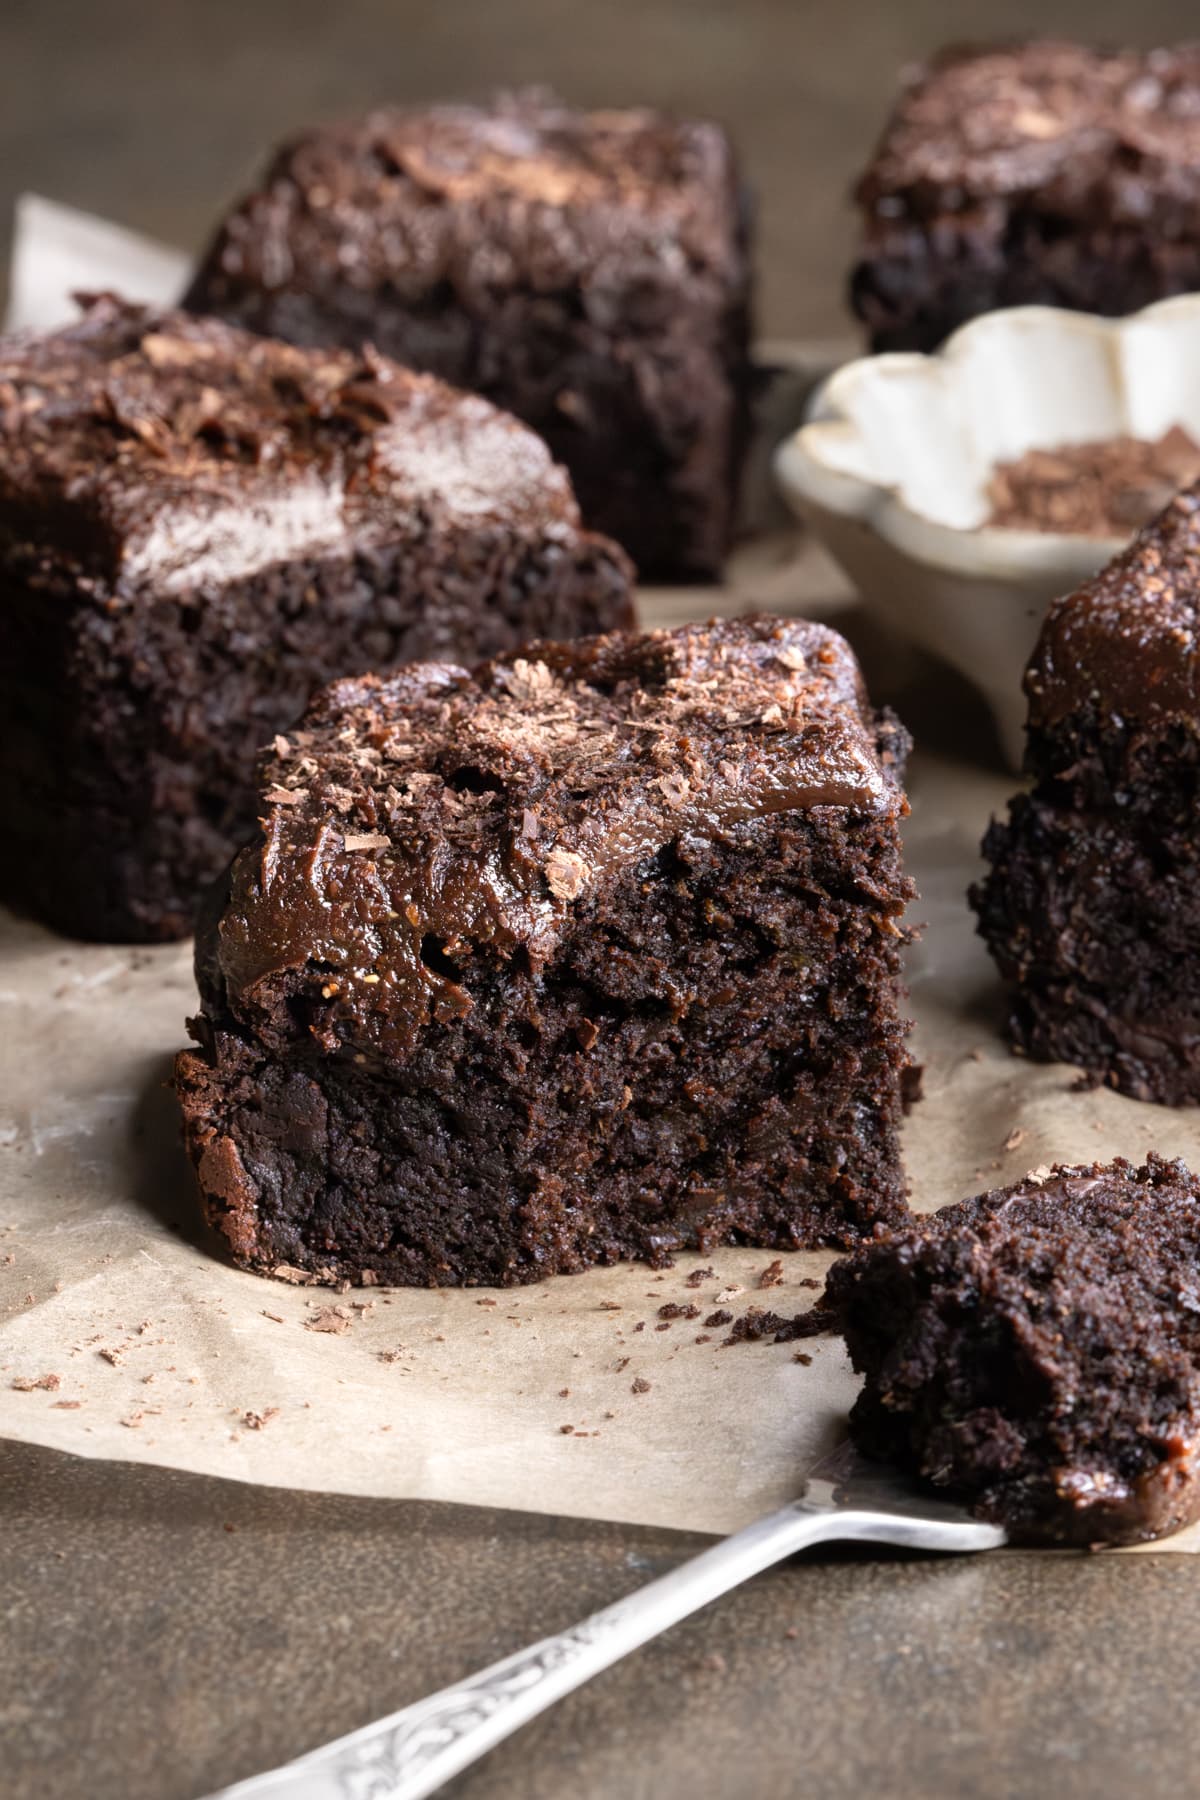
(147, 1652)
(166, 1634)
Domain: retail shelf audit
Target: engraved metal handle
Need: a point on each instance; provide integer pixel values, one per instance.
(414, 1751)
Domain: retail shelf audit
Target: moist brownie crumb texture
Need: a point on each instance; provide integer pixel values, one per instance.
(1045, 173)
(1090, 906)
(1035, 1350)
(588, 271)
(198, 527)
(591, 953)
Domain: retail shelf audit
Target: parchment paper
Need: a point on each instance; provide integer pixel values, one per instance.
(123, 1334)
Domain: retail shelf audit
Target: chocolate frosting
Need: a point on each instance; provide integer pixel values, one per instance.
(1107, 135)
(526, 192)
(1126, 642)
(163, 451)
(415, 822)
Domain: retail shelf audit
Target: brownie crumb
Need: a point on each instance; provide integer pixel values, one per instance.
(672, 1310)
(757, 1323)
(258, 1421)
(26, 1384)
(720, 1317)
(772, 1275)
(698, 1277)
(639, 1385)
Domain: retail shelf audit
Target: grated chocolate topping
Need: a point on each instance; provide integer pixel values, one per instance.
(417, 822)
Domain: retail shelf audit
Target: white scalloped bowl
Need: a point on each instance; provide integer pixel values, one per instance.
(891, 472)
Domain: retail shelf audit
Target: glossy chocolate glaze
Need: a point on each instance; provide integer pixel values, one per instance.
(159, 451)
(1107, 136)
(412, 815)
(1125, 644)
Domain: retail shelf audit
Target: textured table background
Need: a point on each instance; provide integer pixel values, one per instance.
(164, 1634)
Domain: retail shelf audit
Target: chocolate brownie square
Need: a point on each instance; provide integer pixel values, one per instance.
(592, 953)
(1034, 1350)
(1090, 906)
(197, 528)
(588, 271)
(1042, 172)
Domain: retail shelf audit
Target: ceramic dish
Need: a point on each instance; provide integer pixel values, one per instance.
(891, 472)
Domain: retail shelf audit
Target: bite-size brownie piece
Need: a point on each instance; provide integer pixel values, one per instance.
(588, 271)
(592, 953)
(1091, 907)
(197, 528)
(1034, 1350)
(1042, 172)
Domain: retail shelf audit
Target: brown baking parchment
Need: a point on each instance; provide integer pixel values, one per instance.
(142, 1344)
(124, 1335)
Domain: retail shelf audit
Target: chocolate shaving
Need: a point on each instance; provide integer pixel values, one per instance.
(1106, 488)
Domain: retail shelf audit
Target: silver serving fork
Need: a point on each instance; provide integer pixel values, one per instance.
(411, 1753)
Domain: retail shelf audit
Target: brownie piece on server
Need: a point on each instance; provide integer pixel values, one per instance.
(588, 271)
(1034, 1351)
(197, 528)
(592, 953)
(1042, 172)
(1090, 906)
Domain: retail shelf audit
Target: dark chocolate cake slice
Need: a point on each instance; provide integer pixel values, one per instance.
(1034, 1350)
(1090, 907)
(588, 271)
(1040, 173)
(591, 953)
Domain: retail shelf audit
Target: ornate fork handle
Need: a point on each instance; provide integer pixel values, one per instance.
(413, 1752)
(411, 1756)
